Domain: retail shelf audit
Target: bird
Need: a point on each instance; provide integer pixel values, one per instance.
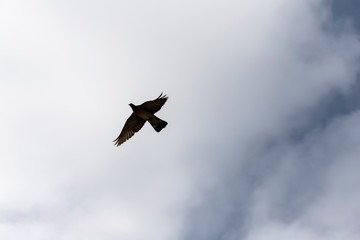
(141, 114)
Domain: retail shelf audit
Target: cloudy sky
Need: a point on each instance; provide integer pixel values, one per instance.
(263, 111)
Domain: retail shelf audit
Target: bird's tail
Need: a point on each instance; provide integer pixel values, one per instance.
(157, 123)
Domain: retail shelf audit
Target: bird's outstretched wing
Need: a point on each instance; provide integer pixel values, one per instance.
(132, 125)
(154, 105)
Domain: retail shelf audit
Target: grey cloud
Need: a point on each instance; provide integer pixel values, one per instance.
(242, 77)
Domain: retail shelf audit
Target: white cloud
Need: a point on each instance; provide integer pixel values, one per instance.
(237, 73)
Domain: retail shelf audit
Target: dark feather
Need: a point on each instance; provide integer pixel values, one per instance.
(155, 105)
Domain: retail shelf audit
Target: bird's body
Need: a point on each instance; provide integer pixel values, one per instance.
(141, 114)
(156, 122)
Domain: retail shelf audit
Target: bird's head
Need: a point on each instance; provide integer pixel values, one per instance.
(132, 106)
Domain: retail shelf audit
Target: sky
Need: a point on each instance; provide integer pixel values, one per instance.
(263, 120)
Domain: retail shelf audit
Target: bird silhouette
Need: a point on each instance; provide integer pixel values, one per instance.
(141, 114)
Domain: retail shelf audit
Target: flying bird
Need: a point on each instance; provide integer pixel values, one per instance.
(141, 114)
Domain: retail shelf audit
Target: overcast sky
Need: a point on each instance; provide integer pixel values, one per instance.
(263, 111)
